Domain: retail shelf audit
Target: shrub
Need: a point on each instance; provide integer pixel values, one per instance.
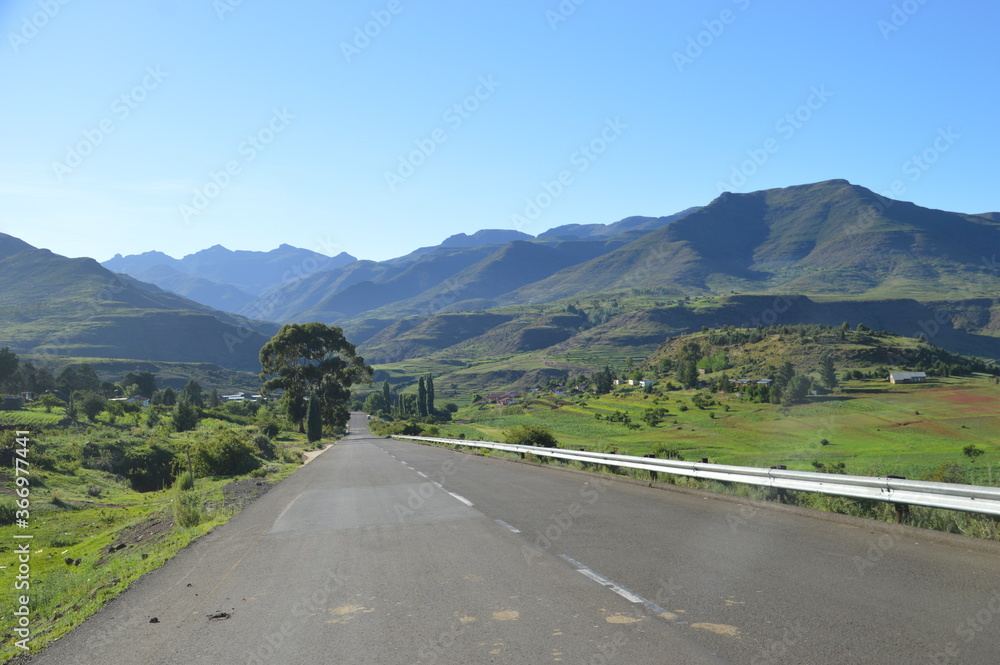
(268, 426)
(290, 456)
(148, 467)
(451, 407)
(530, 435)
(947, 472)
(187, 511)
(226, 453)
(94, 491)
(263, 445)
(185, 481)
(8, 510)
(663, 451)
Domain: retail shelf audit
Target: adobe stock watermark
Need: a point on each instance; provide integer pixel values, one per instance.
(770, 315)
(580, 160)
(224, 7)
(967, 629)
(364, 34)
(32, 24)
(900, 16)
(786, 127)
(562, 520)
(318, 600)
(454, 116)
(703, 39)
(776, 651)
(915, 166)
(263, 307)
(417, 497)
(121, 108)
(249, 149)
(562, 13)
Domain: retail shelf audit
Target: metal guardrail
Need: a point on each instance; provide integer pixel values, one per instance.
(899, 491)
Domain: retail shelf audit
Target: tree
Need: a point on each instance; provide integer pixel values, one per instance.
(603, 380)
(87, 379)
(8, 369)
(429, 384)
(687, 373)
(972, 452)
(185, 416)
(193, 393)
(796, 390)
(66, 381)
(143, 383)
(168, 397)
(422, 398)
(827, 375)
(313, 358)
(314, 419)
(48, 400)
(88, 403)
(374, 403)
(214, 399)
(386, 397)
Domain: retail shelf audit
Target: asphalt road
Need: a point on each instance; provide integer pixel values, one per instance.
(389, 552)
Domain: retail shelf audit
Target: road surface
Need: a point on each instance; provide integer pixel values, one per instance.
(388, 552)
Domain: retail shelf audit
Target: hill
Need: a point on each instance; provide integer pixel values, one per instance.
(58, 306)
(825, 238)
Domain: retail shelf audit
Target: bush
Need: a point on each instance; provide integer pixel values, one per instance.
(185, 481)
(663, 451)
(227, 453)
(451, 407)
(187, 511)
(8, 510)
(268, 427)
(530, 435)
(148, 467)
(263, 445)
(947, 472)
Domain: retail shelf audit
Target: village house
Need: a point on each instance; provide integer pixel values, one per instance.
(907, 377)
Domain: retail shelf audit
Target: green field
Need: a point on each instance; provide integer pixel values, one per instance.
(872, 427)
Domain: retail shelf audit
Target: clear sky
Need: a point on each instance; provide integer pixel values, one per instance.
(380, 126)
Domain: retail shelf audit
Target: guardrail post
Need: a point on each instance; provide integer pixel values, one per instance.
(583, 465)
(782, 497)
(902, 509)
(704, 460)
(653, 475)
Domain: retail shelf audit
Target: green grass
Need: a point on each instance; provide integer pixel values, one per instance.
(870, 426)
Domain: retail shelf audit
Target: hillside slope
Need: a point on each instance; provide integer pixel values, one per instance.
(825, 238)
(60, 306)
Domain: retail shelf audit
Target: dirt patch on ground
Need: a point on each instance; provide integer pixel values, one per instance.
(959, 398)
(151, 530)
(240, 493)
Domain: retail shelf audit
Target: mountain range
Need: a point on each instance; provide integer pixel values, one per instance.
(575, 294)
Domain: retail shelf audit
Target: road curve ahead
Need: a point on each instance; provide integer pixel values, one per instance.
(360, 557)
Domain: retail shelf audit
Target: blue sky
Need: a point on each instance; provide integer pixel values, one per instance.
(175, 126)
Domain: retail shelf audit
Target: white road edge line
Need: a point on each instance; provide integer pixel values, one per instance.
(513, 529)
(461, 498)
(421, 474)
(627, 594)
